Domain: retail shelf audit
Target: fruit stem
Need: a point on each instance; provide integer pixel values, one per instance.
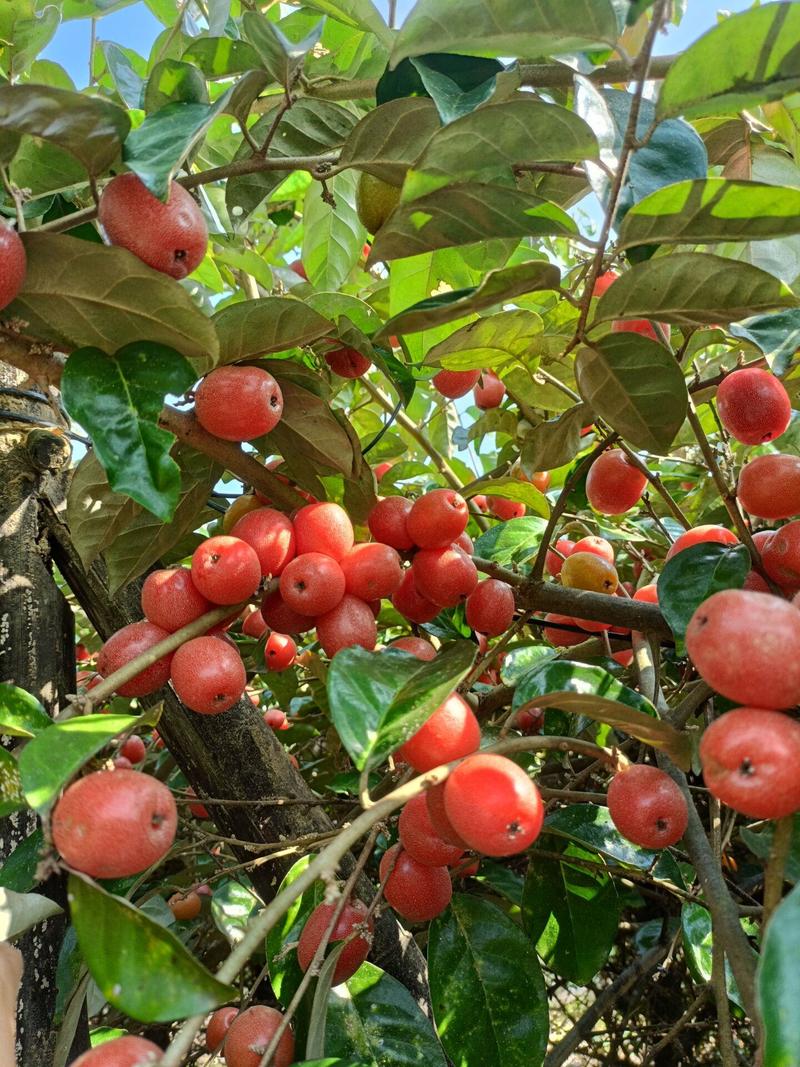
(776, 865)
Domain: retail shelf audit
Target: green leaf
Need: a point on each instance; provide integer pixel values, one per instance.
(487, 989)
(553, 443)
(512, 489)
(760, 844)
(493, 341)
(282, 58)
(233, 905)
(21, 911)
(309, 431)
(777, 984)
(172, 81)
(511, 542)
(284, 970)
(376, 1019)
(379, 699)
(219, 57)
(463, 73)
(452, 102)
(505, 27)
(79, 294)
(149, 976)
(359, 14)
(698, 944)
(272, 324)
(591, 826)
(24, 32)
(778, 337)
(695, 574)
(19, 870)
(636, 385)
(333, 237)
(96, 515)
(21, 714)
(745, 60)
(692, 289)
(129, 84)
(390, 138)
(155, 150)
(48, 761)
(331, 1063)
(11, 796)
(118, 400)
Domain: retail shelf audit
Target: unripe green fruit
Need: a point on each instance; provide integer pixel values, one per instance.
(375, 201)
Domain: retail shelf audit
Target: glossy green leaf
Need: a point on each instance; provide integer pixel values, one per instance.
(21, 911)
(172, 81)
(360, 14)
(698, 944)
(156, 149)
(511, 542)
(272, 324)
(591, 826)
(21, 714)
(778, 984)
(233, 905)
(635, 385)
(487, 989)
(777, 335)
(493, 341)
(512, 489)
(284, 970)
(129, 84)
(502, 880)
(695, 574)
(118, 400)
(330, 1063)
(19, 870)
(693, 289)
(219, 57)
(282, 58)
(48, 761)
(760, 844)
(451, 100)
(149, 976)
(333, 237)
(11, 796)
(553, 443)
(25, 29)
(391, 137)
(379, 699)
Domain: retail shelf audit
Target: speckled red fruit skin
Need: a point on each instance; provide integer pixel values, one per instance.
(493, 805)
(372, 571)
(253, 624)
(747, 647)
(127, 1051)
(753, 405)
(595, 546)
(276, 719)
(554, 563)
(410, 602)
(561, 638)
(279, 616)
(249, 1035)
(419, 838)
(769, 486)
(208, 676)
(312, 584)
(225, 570)
(455, 383)
(387, 522)
(503, 508)
(238, 403)
(780, 555)
(434, 798)
(279, 652)
(271, 536)
(171, 600)
(133, 749)
(171, 237)
(445, 576)
(437, 518)
(490, 607)
(350, 623)
(347, 362)
(323, 527)
(489, 391)
(112, 824)
(128, 643)
(353, 954)
(13, 264)
(647, 594)
(415, 646)
(450, 733)
(416, 892)
(218, 1026)
(647, 807)
(750, 758)
(614, 485)
(701, 535)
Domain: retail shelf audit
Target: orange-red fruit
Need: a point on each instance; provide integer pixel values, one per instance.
(353, 954)
(641, 326)
(700, 535)
(185, 906)
(455, 383)
(604, 282)
(381, 469)
(490, 608)
(238, 403)
(595, 546)
(558, 637)
(218, 1026)
(747, 647)
(434, 798)
(251, 1032)
(350, 623)
(225, 570)
(387, 522)
(200, 811)
(171, 600)
(347, 362)
(753, 405)
(541, 480)
(415, 646)
(493, 805)
(419, 838)
(445, 576)
(323, 527)
(647, 807)
(279, 652)
(12, 264)
(279, 616)
(112, 824)
(780, 555)
(169, 237)
(416, 892)
(464, 542)
(128, 643)
(372, 571)
(253, 624)
(450, 733)
(410, 602)
(647, 593)
(133, 749)
(271, 536)
(554, 563)
(489, 391)
(614, 485)
(530, 720)
(127, 1051)
(276, 719)
(208, 675)
(503, 508)
(437, 518)
(750, 759)
(769, 486)
(312, 584)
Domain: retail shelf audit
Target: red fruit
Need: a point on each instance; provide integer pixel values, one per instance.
(489, 391)
(279, 652)
(416, 892)
(253, 624)
(647, 807)
(490, 608)
(128, 643)
(325, 528)
(455, 383)
(200, 811)
(208, 675)
(603, 282)
(420, 839)
(642, 326)
(503, 508)
(13, 264)
(437, 518)
(250, 1034)
(780, 555)
(450, 733)
(279, 616)
(238, 403)
(387, 522)
(381, 469)
(271, 536)
(347, 362)
(411, 604)
(595, 546)
(445, 576)
(372, 571)
(353, 954)
(700, 535)
(754, 583)
(493, 805)
(614, 485)
(226, 570)
(753, 405)
(297, 266)
(556, 636)
(82, 654)
(541, 480)
(185, 906)
(169, 237)
(530, 720)
(747, 647)
(769, 486)
(122, 763)
(112, 824)
(124, 1051)
(624, 658)
(464, 542)
(133, 749)
(171, 600)
(434, 798)
(750, 759)
(480, 502)
(312, 584)
(554, 563)
(276, 719)
(415, 646)
(350, 623)
(647, 593)
(218, 1026)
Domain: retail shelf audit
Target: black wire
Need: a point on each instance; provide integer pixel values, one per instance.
(15, 416)
(383, 429)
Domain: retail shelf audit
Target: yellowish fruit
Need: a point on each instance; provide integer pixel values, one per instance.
(375, 201)
(240, 507)
(585, 570)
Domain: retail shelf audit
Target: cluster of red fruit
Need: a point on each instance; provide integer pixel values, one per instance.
(487, 389)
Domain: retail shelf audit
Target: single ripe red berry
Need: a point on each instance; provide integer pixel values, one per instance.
(279, 616)
(312, 584)
(490, 607)
(445, 576)
(170, 237)
(133, 749)
(553, 563)
(769, 486)
(279, 652)
(503, 508)
(614, 485)
(13, 264)
(372, 571)
(647, 807)
(271, 536)
(493, 805)
(350, 623)
(226, 570)
(128, 643)
(171, 600)
(595, 546)
(416, 892)
(276, 719)
(353, 954)
(419, 838)
(249, 1036)
(410, 602)
(238, 403)
(218, 1026)
(489, 391)
(780, 555)
(450, 733)
(127, 1051)
(347, 362)
(415, 646)
(387, 522)
(647, 594)
(122, 763)
(455, 383)
(437, 518)
(753, 405)
(323, 527)
(701, 535)
(208, 675)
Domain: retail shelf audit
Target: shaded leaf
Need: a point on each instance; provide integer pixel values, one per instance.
(777, 984)
(233, 905)
(492, 341)
(360, 14)
(390, 138)
(777, 335)
(20, 911)
(282, 58)
(698, 944)
(555, 442)
(272, 324)
(19, 870)
(284, 970)
(11, 796)
(219, 57)
(172, 81)
(21, 714)
(333, 237)
(760, 844)
(695, 574)
(310, 433)
(592, 826)
(155, 150)
(129, 84)
(511, 542)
